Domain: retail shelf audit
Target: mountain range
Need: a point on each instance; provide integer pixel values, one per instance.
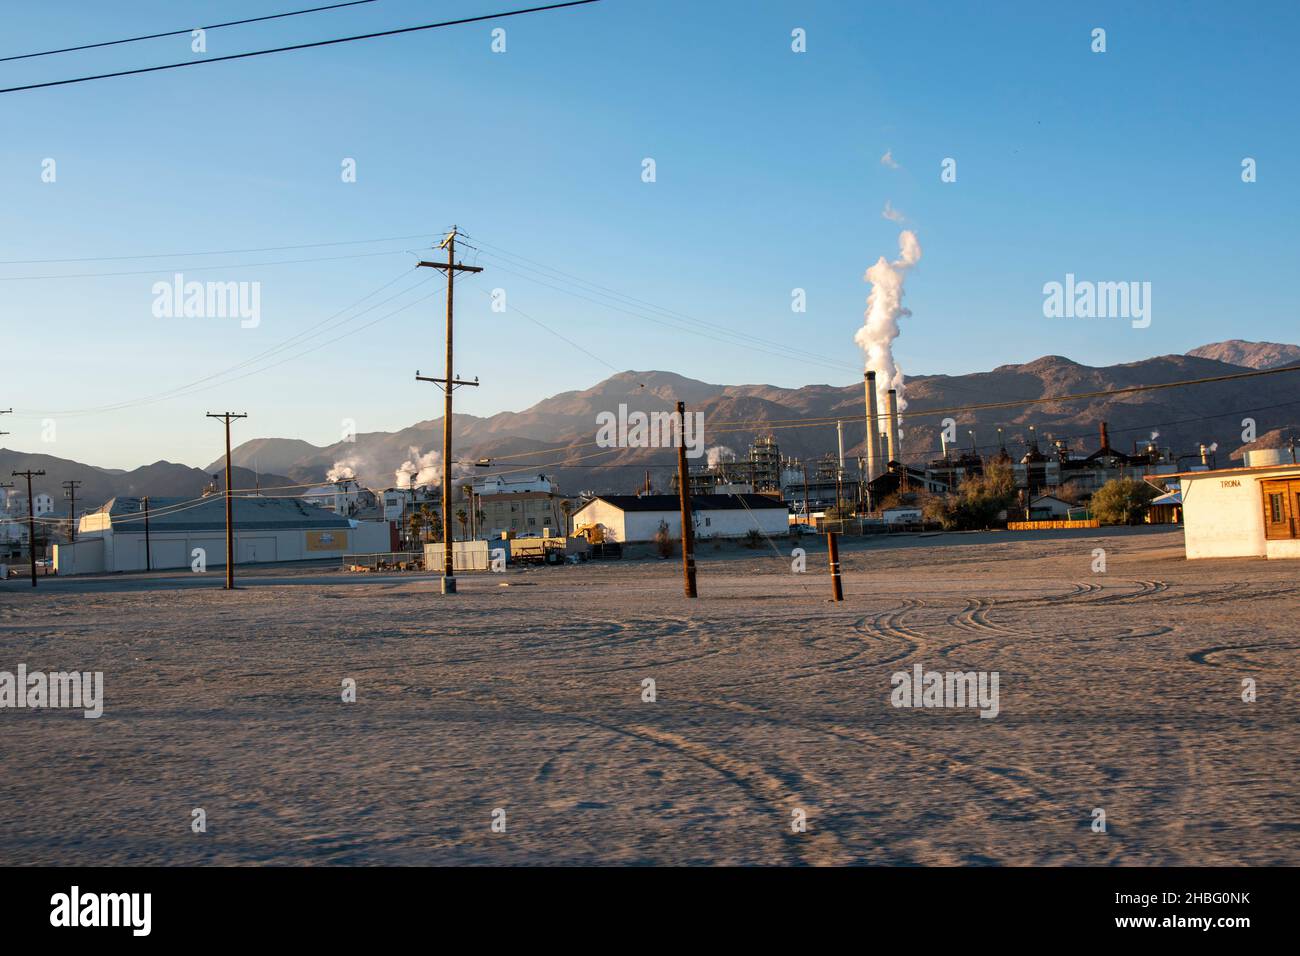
(556, 435)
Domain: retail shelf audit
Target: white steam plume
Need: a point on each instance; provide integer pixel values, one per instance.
(719, 453)
(884, 309)
(420, 471)
(347, 468)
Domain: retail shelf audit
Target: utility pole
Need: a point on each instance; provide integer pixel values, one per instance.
(833, 549)
(148, 549)
(448, 385)
(807, 511)
(70, 492)
(4, 485)
(684, 490)
(31, 516)
(230, 524)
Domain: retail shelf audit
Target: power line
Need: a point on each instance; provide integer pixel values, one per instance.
(213, 252)
(230, 265)
(333, 321)
(173, 33)
(298, 46)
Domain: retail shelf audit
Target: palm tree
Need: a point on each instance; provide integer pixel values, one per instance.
(567, 507)
(462, 517)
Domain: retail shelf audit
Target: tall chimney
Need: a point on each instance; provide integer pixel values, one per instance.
(873, 428)
(1105, 436)
(895, 439)
(839, 435)
(1205, 455)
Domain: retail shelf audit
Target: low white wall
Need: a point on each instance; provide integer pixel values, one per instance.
(1283, 548)
(729, 523)
(175, 550)
(82, 557)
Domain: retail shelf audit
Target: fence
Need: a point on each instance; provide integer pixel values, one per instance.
(1052, 525)
(384, 561)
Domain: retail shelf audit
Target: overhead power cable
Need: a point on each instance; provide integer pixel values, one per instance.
(213, 252)
(174, 33)
(298, 46)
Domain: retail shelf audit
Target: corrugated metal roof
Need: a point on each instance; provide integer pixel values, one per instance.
(249, 513)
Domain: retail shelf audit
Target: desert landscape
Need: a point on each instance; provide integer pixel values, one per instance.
(1119, 690)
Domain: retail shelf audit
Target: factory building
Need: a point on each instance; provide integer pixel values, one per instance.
(114, 538)
(1252, 511)
(516, 506)
(637, 518)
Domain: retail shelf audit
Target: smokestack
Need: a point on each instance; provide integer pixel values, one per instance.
(895, 439)
(839, 435)
(1105, 436)
(1205, 455)
(873, 428)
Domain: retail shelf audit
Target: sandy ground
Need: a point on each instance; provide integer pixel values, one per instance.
(1118, 691)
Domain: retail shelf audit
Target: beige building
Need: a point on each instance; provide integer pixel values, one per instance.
(521, 512)
(1242, 512)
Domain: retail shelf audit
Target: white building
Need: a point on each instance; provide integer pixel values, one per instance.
(42, 504)
(341, 498)
(398, 502)
(1048, 508)
(113, 538)
(500, 485)
(634, 518)
(1242, 512)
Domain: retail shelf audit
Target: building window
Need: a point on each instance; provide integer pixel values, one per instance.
(1277, 507)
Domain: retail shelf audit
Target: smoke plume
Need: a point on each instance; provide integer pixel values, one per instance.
(719, 453)
(420, 471)
(884, 309)
(342, 470)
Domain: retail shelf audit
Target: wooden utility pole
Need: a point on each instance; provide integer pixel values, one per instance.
(807, 511)
(834, 549)
(4, 485)
(448, 385)
(31, 516)
(684, 491)
(230, 523)
(148, 549)
(70, 492)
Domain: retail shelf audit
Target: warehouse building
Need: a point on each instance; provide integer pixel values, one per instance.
(180, 533)
(636, 518)
(1252, 511)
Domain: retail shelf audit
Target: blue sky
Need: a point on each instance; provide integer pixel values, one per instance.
(1116, 166)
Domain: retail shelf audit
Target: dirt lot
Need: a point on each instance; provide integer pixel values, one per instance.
(1118, 690)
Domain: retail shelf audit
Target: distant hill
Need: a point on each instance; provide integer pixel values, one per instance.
(561, 428)
(162, 479)
(1250, 354)
(556, 435)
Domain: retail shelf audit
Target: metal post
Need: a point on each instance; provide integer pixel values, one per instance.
(834, 549)
(684, 491)
(148, 549)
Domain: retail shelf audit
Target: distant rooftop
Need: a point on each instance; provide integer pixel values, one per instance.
(250, 513)
(698, 502)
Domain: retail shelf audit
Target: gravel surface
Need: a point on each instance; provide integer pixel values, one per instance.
(524, 693)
